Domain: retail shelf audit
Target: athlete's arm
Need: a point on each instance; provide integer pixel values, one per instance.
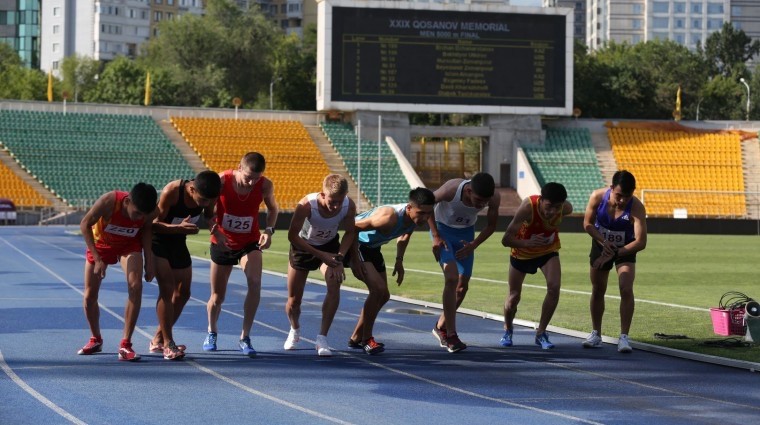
(589, 217)
(398, 267)
(348, 224)
(524, 214)
(267, 189)
(169, 196)
(301, 214)
(383, 220)
(102, 208)
(639, 214)
(146, 238)
(492, 217)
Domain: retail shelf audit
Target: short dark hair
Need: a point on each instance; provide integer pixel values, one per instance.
(208, 184)
(483, 185)
(421, 196)
(625, 180)
(144, 197)
(255, 161)
(553, 192)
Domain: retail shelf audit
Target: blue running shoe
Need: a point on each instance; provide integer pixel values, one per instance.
(506, 340)
(543, 341)
(245, 347)
(210, 343)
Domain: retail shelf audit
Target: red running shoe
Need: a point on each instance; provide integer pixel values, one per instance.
(126, 353)
(373, 347)
(94, 346)
(440, 335)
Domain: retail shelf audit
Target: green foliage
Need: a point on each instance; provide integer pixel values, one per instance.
(79, 75)
(726, 51)
(122, 81)
(294, 75)
(17, 81)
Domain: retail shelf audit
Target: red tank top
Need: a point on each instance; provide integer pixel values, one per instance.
(237, 216)
(118, 231)
(538, 226)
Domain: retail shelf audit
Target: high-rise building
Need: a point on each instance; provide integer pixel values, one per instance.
(20, 28)
(579, 15)
(103, 29)
(687, 22)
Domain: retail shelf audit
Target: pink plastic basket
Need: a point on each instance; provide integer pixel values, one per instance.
(728, 322)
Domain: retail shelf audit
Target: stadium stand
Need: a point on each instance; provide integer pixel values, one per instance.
(698, 171)
(80, 156)
(394, 188)
(567, 156)
(294, 163)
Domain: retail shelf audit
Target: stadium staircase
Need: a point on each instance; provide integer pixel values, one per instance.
(394, 185)
(80, 156)
(751, 160)
(184, 149)
(334, 161)
(568, 157)
(294, 163)
(604, 156)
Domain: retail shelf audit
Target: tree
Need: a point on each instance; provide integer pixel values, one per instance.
(19, 82)
(122, 81)
(295, 71)
(728, 50)
(79, 75)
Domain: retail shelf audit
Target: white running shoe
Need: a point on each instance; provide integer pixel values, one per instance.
(594, 340)
(623, 345)
(323, 348)
(293, 337)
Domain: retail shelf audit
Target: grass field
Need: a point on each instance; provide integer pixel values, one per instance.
(689, 271)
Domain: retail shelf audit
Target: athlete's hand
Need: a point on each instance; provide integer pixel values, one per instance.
(438, 244)
(398, 268)
(338, 273)
(265, 240)
(465, 251)
(329, 260)
(150, 271)
(538, 240)
(187, 227)
(99, 268)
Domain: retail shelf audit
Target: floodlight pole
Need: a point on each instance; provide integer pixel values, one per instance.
(743, 81)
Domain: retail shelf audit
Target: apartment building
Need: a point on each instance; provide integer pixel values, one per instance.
(20, 28)
(687, 22)
(579, 15)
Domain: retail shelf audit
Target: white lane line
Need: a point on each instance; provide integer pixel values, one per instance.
(192, 363)
(31, 391)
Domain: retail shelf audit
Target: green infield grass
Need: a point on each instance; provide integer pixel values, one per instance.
(678, 278)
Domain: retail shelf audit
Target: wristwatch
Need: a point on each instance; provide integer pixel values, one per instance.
(270, 230)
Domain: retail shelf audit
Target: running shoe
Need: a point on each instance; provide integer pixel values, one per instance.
(94, 346)
(440, 335)
(293, 337)
(594, 340)
(210, 343)
(623, 345)
(358, 344)
(543, 341)
(172, 352)
(126, 353)
(506, 340)
(246, 348)
(159, 348)
(323, 348)
(373, 347)
(454, 345)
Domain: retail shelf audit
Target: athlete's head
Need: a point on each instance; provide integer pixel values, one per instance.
(553, 197)
(623, 186)
(480, 190)
(141, 201)
(206, 188)
(334, 191)
(251, 168)
(420, 206)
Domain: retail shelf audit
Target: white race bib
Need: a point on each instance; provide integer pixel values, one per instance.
(235, 224)
(129, 232)
(178, 220)
(616, 237)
